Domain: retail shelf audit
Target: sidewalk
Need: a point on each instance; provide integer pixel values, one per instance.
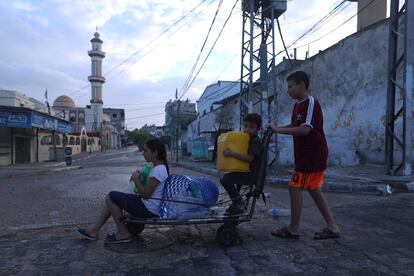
(365, 178)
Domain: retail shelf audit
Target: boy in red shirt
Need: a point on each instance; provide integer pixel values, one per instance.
(311, 154)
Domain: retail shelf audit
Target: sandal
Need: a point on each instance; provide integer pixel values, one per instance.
(82, 232)
(284, 233)
(326, 233)
(112, 239)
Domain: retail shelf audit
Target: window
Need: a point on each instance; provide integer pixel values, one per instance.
(77, 141)
(71, 140)
(114, 115)
(122, 115)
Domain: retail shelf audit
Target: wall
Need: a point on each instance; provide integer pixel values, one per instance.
(350, 81)
(216, 92)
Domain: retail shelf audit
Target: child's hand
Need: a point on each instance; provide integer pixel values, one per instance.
(227, 153)
(272, 127)
(135, 174)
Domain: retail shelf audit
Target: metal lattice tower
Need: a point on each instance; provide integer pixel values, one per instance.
(400, 76)
(258, 59)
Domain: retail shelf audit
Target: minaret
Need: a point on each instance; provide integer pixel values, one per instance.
(97, 80)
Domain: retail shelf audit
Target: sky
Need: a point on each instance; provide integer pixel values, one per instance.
(44, 44)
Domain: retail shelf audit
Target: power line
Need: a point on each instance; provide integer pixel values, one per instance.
(211, 49)
(202, 48)
(158, 36)
(145, 116)
(151, 50)
(145, 46)
(343, 23)
(317, 25)
(283, 41)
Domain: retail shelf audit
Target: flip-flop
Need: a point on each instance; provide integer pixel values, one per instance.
(326, 233)
(82, 232)
(112, 239)
(284, 233)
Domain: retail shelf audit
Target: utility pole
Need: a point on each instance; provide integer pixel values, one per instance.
(258, 58)
(177, 118)
(53, 131)
(397, 132)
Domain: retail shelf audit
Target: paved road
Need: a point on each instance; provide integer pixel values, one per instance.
(39, 215)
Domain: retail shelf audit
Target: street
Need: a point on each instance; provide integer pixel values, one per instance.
(41, 213)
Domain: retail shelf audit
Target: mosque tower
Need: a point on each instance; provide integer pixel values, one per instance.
(97, 80)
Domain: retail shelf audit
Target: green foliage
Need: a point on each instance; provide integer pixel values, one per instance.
(224, 119)
(139, 136)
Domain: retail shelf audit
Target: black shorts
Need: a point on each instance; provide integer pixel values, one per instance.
(131, 203)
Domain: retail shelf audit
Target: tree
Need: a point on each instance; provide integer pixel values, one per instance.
(139, 136)
(224, 119)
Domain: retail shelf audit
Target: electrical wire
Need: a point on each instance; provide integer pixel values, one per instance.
(211, 49)
(145, 116)
(190, 75)
(343, 23)
(145, 46)
(283, 41)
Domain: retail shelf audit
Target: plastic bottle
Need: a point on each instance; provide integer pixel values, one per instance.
(278, 212)
(143, 175)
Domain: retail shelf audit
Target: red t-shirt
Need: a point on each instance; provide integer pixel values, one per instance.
(311, 151)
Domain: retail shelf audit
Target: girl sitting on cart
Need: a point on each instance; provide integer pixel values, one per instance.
(116, 202)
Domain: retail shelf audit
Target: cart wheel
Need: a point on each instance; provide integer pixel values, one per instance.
(227, 235)
(135, 228)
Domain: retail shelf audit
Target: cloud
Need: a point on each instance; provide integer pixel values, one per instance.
(45, 44)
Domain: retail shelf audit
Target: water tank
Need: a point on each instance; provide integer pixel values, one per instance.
(278, 6)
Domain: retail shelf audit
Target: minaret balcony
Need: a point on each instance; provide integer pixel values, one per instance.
(96, 53)
(96, 79)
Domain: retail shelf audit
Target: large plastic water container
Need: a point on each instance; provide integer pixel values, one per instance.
(199, 190)
(235, 141)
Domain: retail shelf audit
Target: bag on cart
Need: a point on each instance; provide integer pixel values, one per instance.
(187, 197)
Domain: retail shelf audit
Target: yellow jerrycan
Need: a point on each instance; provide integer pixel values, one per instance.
(235, 141)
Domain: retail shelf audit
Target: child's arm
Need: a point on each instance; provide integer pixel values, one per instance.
(243, 157)
(149, 189)
(302, 130)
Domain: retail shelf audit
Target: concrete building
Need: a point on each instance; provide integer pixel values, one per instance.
(178, 115)
(214, 93)
(370, 12)
(156, 131)
(117, 120)
(21, 133)
(350, 81)
(109, 125)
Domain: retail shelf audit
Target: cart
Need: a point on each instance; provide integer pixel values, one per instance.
(227, 234)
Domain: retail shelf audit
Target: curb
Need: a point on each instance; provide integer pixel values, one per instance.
(352, 185)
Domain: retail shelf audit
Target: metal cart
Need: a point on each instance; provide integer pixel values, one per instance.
(227, 234)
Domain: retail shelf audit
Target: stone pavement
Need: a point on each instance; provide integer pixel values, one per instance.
(377, 238)
(40, 215)
(33, 169)
(367, 178)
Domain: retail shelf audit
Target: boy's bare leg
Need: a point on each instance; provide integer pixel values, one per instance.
(116, 213)
(323, 206)
(295, 209)
(103, 217)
